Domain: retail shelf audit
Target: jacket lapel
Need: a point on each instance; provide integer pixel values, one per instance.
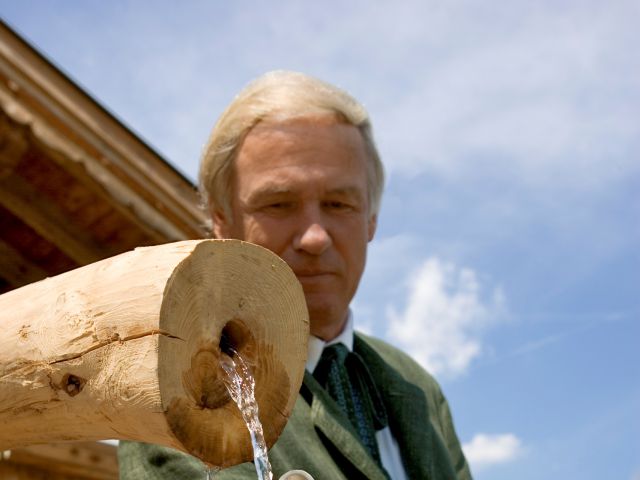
(407, 410)
(337, 429)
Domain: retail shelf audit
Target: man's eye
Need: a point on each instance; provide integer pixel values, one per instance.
(338, 205)
(277, 206)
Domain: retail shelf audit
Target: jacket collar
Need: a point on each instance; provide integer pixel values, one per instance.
(407, 410)
(337, 429)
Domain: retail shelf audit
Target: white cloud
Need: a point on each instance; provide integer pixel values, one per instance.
(485, 450)
(443, 317)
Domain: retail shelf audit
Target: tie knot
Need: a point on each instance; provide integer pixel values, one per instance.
(333, 357)
(337, 352)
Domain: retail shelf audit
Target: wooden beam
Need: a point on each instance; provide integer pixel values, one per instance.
(86, 460)
(130, 348)
(13, 144)
(139, 202)
(61, 106)
(16, 269)
(39, 212)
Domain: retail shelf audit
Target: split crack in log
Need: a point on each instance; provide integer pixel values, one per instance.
(115, 339)
(41, 364)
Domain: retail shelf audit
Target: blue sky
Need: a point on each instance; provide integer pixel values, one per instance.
(507, 258)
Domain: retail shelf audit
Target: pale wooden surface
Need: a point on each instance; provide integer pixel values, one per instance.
(128, 348)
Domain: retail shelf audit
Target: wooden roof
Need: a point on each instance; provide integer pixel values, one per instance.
(76, 186)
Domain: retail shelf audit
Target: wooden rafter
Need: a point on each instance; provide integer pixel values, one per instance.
(43, 216)
(17, 269)
(86, 460)
(68, 120)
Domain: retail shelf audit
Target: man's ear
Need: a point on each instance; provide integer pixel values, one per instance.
(220, 224)
(371, 227)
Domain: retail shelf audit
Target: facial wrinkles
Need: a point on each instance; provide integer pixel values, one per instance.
(302, 193)
(293, 142)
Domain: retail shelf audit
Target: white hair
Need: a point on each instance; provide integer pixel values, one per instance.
(280, 96)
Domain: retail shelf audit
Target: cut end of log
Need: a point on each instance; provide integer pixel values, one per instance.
(247, 302)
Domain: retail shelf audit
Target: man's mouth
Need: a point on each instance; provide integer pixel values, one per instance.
(311, 274)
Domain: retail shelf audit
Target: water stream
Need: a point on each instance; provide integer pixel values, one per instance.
(241, 387)
(211, 472)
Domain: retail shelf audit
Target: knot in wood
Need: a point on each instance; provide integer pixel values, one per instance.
(72, 384)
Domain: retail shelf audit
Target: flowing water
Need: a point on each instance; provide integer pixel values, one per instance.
(211, 472)
(241, 387)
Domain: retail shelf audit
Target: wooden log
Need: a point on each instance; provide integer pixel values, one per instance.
(129, 348)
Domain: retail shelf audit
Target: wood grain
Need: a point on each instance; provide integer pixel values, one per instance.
(128, 348)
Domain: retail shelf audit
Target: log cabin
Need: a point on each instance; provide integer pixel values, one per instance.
(76, 186)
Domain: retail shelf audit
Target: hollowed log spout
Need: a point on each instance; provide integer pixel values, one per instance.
(129, 348)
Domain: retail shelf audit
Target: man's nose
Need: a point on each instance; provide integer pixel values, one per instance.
(313, 238)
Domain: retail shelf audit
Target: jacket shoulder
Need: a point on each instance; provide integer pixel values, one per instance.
(403, 363)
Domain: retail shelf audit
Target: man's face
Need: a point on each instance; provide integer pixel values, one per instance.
(299, 188)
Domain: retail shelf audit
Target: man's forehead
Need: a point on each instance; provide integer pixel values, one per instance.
(282, 130)
(275, 187)
(287, 157)
(324, 135)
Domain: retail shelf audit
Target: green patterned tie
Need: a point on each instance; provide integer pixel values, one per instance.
(348, 380)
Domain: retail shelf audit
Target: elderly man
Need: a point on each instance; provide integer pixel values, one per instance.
(291, 165)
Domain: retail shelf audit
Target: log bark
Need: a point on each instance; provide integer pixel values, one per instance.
(129, 348)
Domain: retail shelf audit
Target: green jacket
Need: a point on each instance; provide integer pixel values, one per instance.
(318, 437)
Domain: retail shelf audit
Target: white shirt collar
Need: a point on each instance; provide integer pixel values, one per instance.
(316, 345)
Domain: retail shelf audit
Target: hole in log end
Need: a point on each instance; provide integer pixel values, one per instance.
(227, 345)
(234, 338)
(72, 385)
(204, 380)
